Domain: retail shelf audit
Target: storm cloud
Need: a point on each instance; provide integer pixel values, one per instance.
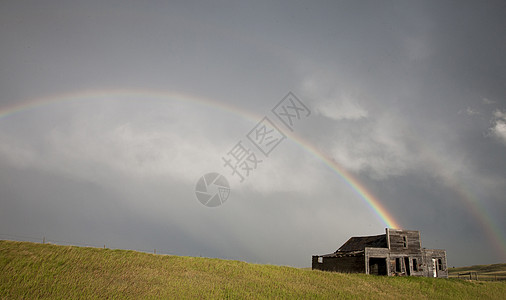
(111, 111)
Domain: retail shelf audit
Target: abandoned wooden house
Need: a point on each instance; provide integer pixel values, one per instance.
(395, 253)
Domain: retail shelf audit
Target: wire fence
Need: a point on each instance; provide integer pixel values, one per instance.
(45, 240)
(484, 276)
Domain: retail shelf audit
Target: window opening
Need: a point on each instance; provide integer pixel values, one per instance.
(398, 264)
(415, 265)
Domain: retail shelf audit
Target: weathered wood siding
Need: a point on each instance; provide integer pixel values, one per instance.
(441, 266)
(413, 267)
(397, 238)
(345, 264)
(377, 253)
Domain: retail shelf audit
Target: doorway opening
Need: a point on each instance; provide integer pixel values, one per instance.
(377, 266)
(406, 264)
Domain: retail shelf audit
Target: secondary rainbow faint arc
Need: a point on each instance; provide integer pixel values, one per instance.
(472, 203)
(348, 178)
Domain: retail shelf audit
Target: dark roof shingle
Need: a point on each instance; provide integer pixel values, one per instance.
(358, 243)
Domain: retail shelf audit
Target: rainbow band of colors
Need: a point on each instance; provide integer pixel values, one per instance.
(374, 203)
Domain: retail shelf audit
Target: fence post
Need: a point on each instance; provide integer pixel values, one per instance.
(155, 251)
(43, 240)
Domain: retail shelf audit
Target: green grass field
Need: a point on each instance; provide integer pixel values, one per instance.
(29, 270)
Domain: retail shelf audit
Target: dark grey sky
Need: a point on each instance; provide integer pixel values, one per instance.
(407, 96)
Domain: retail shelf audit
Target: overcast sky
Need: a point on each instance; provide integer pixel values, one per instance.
(409, 97)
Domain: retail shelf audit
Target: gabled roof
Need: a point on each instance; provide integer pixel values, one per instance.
(358, 243)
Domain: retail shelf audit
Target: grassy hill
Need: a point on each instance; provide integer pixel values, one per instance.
(29, 270)
(484, 272)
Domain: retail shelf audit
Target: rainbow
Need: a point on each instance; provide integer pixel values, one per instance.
(469, 199)
(491, 230)
(479, 213)
(374, 203)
